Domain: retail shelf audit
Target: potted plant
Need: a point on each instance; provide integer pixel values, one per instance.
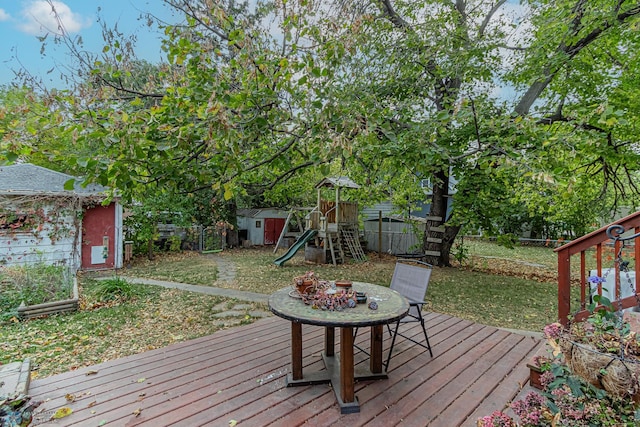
(602, 350)
(537, 367)
(589, 379)
(306, 283)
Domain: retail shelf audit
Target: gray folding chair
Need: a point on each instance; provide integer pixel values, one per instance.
(410, 279)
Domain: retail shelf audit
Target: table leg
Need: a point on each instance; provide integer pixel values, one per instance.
(346, 365)
(375, 358)
(296, 350)
(329, 341)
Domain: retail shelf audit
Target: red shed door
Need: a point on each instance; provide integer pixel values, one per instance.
(272, 230)
(98, 237)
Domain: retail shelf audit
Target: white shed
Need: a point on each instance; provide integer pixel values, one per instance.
(41, 221)
(260, 226)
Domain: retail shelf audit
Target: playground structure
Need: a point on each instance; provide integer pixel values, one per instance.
(331, 228)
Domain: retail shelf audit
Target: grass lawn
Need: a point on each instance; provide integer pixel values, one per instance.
(499, 287)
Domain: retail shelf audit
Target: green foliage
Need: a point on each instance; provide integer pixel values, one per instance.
(569, 400)
(174, 243)
(507, 240)
(115, 288)
(33, 284)
(389, 93)
(460, 251)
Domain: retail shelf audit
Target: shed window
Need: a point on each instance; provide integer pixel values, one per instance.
(258, 224)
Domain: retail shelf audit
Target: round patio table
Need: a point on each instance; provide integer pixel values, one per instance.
(340, 373)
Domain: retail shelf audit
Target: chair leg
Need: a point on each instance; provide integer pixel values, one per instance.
(355, 334)
(426, 337)
(393, 341)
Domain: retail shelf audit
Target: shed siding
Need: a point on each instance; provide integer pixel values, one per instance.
(22, 248)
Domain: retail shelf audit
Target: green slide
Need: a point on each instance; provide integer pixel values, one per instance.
(306, 236)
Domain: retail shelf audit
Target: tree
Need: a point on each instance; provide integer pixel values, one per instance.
(424, 70)
(393, 92)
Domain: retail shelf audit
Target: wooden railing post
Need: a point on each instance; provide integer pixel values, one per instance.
(594, 241)
(564, 286)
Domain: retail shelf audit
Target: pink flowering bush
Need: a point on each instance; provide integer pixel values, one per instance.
(497, 419)
(569, 400)
(566, 401)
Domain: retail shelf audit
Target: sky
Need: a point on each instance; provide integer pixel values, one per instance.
(23, 21)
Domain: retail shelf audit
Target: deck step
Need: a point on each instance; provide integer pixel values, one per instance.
(15, 378)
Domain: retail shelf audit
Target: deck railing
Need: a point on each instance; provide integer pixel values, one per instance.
(591, 251)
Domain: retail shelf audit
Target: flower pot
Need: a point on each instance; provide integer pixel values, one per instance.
(304, 287)
(344, 284)
(619, 377)
(534, 376)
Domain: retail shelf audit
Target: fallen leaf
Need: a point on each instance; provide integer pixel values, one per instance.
(102, 422)
(70, 397)
(141, 380)
(232, 423)
(62, 412)
(137, 412)
(91, 372)
(91, 404)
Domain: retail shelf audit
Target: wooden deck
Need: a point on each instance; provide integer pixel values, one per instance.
(239, 374)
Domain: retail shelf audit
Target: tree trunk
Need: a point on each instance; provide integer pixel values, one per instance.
(150, 255)
(232, 238)
(438, 239)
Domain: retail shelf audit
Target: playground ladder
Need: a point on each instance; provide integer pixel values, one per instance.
(351, 238)
(336, 258)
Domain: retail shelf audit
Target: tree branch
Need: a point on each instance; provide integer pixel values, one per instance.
(536, 89)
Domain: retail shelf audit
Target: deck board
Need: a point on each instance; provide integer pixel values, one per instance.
(239, 374)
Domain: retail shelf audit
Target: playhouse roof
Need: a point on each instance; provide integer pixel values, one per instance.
(338, 181)
(27, 179)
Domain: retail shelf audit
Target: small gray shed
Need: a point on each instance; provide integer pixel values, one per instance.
(261, 226)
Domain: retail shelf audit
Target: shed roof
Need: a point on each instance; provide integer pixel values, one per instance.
(338, 181)
(28, 179)
(255, 212)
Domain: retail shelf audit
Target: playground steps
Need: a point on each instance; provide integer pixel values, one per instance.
(337, 254)
(351, 238)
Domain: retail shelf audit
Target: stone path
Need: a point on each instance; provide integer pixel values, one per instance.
(228, 316)
(208, 290)
(226, 269)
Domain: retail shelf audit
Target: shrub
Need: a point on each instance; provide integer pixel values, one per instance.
(175, 243)
(115, 288)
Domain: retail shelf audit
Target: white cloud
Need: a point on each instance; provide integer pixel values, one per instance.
(40, 18)
(4, 16)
